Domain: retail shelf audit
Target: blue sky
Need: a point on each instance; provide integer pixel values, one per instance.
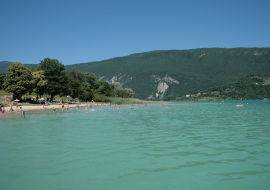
(79, 31)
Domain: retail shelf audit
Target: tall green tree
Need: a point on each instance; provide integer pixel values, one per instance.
(39, 82)
(90, 78)
(2, 77)
(105, 88)
(129, 91)
(19, 80)
(88, 86)
(75, 80)
(118, 89)
(56, 77)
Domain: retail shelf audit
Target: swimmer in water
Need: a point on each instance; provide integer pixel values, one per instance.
(54, 109)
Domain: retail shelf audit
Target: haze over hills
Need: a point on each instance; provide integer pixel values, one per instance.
(178, 72)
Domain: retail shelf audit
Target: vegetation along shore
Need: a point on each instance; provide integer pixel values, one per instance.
(197, 74)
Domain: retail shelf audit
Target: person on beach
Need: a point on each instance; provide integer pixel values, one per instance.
(11, 109)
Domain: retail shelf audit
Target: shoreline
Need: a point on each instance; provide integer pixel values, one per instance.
(48, 107)
(57, 107)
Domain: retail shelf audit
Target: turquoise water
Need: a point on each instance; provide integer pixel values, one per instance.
(201, 145)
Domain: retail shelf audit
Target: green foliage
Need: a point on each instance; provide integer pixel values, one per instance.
(129, 92)
(196, 69)
(245, 88)
(100, 98)
(124, 94)
(39, 82)
(103, 87)
(51, 78)
(118, 89)
(86, 95)
(56, 76)
(75, 79)
(2, 77)
(19, 79)
(116, 100)
(90, 79)
(31, 68)
(120, 92)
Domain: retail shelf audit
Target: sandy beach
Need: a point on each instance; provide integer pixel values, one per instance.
(33, 108)
(40, 107)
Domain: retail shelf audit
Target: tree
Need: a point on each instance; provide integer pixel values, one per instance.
(88, 86)
(86, 95)
(56, 76)
(90, 78)
(105, 88)
(124, 93)
(118, 88)
(2, 77)
(39, 82)
(129, 91)
(75, 80)
(19, 79)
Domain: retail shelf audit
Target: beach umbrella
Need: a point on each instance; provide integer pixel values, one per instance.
(5, 96)
(16, 100)
(74, 100)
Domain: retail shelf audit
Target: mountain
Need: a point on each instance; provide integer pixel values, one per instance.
(5, 64)
(244, 88)
(177, 73)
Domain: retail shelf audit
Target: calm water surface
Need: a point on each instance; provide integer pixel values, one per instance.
(201, 145)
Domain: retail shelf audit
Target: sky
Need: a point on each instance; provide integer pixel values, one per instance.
(80, 31)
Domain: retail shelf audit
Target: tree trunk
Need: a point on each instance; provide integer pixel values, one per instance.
(52, 96)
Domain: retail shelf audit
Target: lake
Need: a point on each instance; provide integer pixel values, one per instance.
(180, 145)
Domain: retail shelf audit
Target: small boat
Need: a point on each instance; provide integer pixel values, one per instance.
(239, 105)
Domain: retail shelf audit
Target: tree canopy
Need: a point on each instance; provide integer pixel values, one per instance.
(19, 79)
(39, 82)
(56, 76)
(52, 79)
(2, 77)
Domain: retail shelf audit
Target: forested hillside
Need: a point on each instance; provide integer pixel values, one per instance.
(175, 73)
(180, 72)
(5, 64)
(244, 88)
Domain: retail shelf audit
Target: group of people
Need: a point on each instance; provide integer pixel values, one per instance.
(63, 107)
(11, 109)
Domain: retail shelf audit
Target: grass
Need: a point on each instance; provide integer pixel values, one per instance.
(115, 100)
(3, 93)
